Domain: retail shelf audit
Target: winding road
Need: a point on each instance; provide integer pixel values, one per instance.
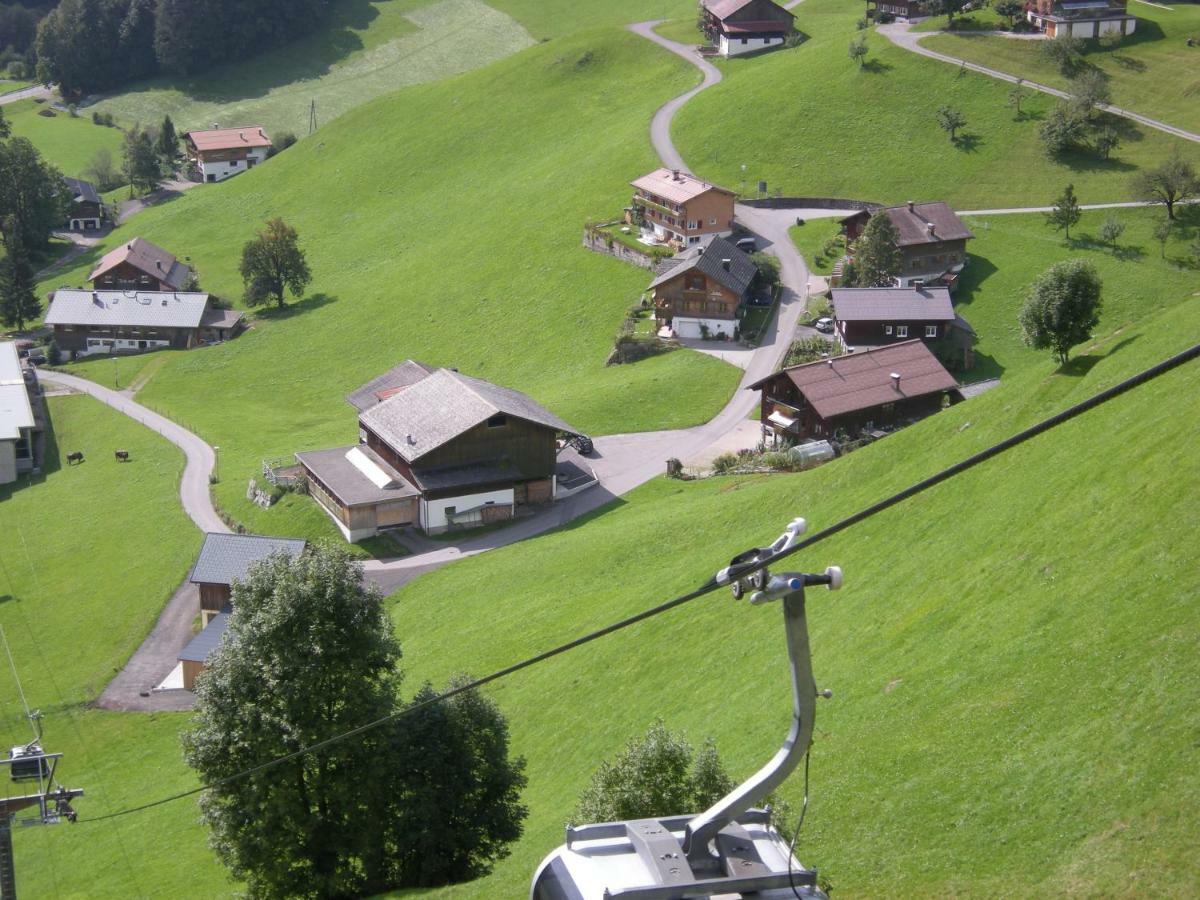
(900, 35)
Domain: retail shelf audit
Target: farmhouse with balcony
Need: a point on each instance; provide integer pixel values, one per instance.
(901, 10)
(736, 27)
(679, 209)
(854, 394)
(139, 265)
(933, 241)
(1080, 18)
(221, 153)
(701, 291)
(87, 322)
(85, 211)
(21, 420)
(437, 452)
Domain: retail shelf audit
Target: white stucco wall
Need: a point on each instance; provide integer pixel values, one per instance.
(226, 169)
(433, 512)
(82, 224)
(688, 327)
(734, 46)
(98, 345)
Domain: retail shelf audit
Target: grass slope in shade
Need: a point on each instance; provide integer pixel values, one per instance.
(1153, 72)
(66, 142)
(91, 551)
(434, 232)
(547, 19)
(812, 123)
(1014, 657)
(370, 48)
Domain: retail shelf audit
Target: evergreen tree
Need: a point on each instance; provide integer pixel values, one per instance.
(1066, 211)
(31, 192)
(168, 140)
(18, 298)
(877, 259)
(142, 166)
(272, 262)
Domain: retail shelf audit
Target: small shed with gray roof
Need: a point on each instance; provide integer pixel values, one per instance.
(440, 451)
(226, 558)
(85, 211)
(702, 290)
(194, 657)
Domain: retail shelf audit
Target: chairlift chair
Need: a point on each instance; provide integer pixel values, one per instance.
(731, 849)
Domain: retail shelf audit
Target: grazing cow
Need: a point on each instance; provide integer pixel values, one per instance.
(122, 455)
(76, 457)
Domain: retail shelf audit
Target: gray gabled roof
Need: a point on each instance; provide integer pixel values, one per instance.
(202, 645)
(389, 383)
(445, 404)
(145, 257)
(15, 410)
(891, 304)
(709, 258)
(151, 309)
(226, 558)
(82, 191)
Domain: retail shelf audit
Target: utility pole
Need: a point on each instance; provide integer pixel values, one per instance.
(312, 116)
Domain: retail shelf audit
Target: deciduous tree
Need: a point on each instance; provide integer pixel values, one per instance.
(1009, 9)
(858, 49)
(877, 258)
(273, 262)
(1107, 140)
(1061, 308)
(1017, 96)
(103, 170)
(1167, 184)
(1066, 211)
(1111, 230)
(143, 168)
(950, 120)
(1089, 90)
(1162, 233)
(1066, 53)
(32, 193)
(1063, 129)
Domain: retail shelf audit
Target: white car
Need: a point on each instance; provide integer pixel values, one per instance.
(824, 324)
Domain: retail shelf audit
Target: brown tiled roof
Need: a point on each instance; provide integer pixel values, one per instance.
(676, 187)
(834, 387)
(722, 9)
(913, 224)
(145, 257)
(891, 304)
(229, 138)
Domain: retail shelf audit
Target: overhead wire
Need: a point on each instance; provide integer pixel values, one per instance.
(734, 572)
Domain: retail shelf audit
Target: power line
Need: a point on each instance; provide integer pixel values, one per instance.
(731, 574)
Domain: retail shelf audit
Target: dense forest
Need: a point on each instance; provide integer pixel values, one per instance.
(97, 45)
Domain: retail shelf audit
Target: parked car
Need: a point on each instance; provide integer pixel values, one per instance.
(746, 244)
(36, 358)
(824, 324)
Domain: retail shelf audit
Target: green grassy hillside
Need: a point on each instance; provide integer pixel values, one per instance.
(555, 18)
(70, 143)
(441, 223)
(812, 123)
(370, 48)
(1013, 658)
(1153, 72)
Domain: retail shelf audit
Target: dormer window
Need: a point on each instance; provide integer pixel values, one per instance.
(498, 421)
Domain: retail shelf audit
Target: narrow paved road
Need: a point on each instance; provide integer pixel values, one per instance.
(1045, 209)
(36, 90)
(900, 35)
(81, 244)
(660, 125)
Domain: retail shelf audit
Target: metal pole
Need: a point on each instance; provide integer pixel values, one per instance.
(8, 875)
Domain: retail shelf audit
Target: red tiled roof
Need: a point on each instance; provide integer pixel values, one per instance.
(229, 138)
(677, 188)
(864, 380)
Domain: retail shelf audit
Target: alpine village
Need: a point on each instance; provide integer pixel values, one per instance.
(415, 416)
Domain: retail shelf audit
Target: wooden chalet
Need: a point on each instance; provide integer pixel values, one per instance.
(678, 209)
(131, 321)
(701, 291)
(139, 265)
(737, 27)
(901, 10)
(1080, 18)
(874, 317)
(436, 451)
(85, 211)
(224, 559)
(933, 241)
(854, 394)
(221, 153)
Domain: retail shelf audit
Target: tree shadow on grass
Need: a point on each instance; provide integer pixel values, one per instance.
(1129, 253)
(1078, 366)
(307, 304)
(985, 368)
(875, 66)
(307, 58)
(976, 273)
(1083, 161)
(968, 143)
